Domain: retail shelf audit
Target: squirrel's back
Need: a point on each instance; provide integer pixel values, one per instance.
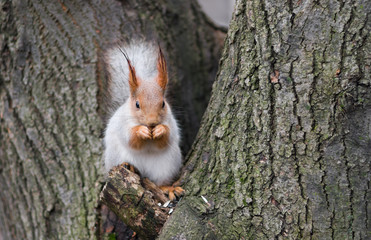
(143, 57)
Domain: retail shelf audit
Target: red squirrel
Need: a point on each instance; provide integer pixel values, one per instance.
(142, 130)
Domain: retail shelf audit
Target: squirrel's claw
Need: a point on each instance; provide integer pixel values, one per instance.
(172, 191)
(179, 191)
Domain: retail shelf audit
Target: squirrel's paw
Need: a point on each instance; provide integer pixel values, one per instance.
(171, 191)
(129, 166)
(143, 132)
(160, 131)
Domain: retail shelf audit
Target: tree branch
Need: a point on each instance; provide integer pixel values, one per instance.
(134, 204)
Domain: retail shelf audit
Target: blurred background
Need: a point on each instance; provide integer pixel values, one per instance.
(220, 11)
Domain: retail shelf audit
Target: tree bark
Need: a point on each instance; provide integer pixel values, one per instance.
(284, 148)
(285, 144)
(139, 207)
(52, 87)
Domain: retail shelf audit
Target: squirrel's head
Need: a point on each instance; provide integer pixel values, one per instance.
(147, 98)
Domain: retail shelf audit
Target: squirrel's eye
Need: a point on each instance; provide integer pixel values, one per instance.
(137, 104)
(163, 104)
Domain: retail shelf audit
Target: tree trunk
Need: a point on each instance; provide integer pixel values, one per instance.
(52, 88)
(284, 147)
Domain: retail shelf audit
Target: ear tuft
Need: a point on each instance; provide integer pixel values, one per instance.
(133, 81)
(162, 70)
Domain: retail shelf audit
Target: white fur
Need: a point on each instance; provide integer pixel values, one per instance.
(159, 165)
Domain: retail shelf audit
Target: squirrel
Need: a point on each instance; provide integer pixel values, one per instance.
(142, 131)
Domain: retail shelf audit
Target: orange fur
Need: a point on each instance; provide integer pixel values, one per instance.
(133, 80)
(160, 135)
(150, 100)
(139, 136)
(171, 191)
(162, 70)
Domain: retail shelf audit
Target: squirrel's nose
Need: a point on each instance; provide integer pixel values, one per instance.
(152, 120)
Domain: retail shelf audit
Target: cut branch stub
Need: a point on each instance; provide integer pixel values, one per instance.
(134, 204)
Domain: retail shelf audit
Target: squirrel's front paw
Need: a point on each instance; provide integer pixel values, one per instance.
(159, 131)
(139, 136)
(143, 132)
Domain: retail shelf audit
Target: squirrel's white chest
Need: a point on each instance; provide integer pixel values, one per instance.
(159, 166)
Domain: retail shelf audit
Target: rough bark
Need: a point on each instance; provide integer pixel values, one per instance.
(285, 144)
(51, 89)
(135, 204)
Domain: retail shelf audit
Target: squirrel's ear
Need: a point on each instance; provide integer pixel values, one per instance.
(162, 71)
(133, 81)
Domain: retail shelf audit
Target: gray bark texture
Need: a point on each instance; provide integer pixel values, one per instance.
(135, 201)
(52, 91)
(284, 147)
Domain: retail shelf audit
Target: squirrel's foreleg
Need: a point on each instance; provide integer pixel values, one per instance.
(139, 135)
(160, 135)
